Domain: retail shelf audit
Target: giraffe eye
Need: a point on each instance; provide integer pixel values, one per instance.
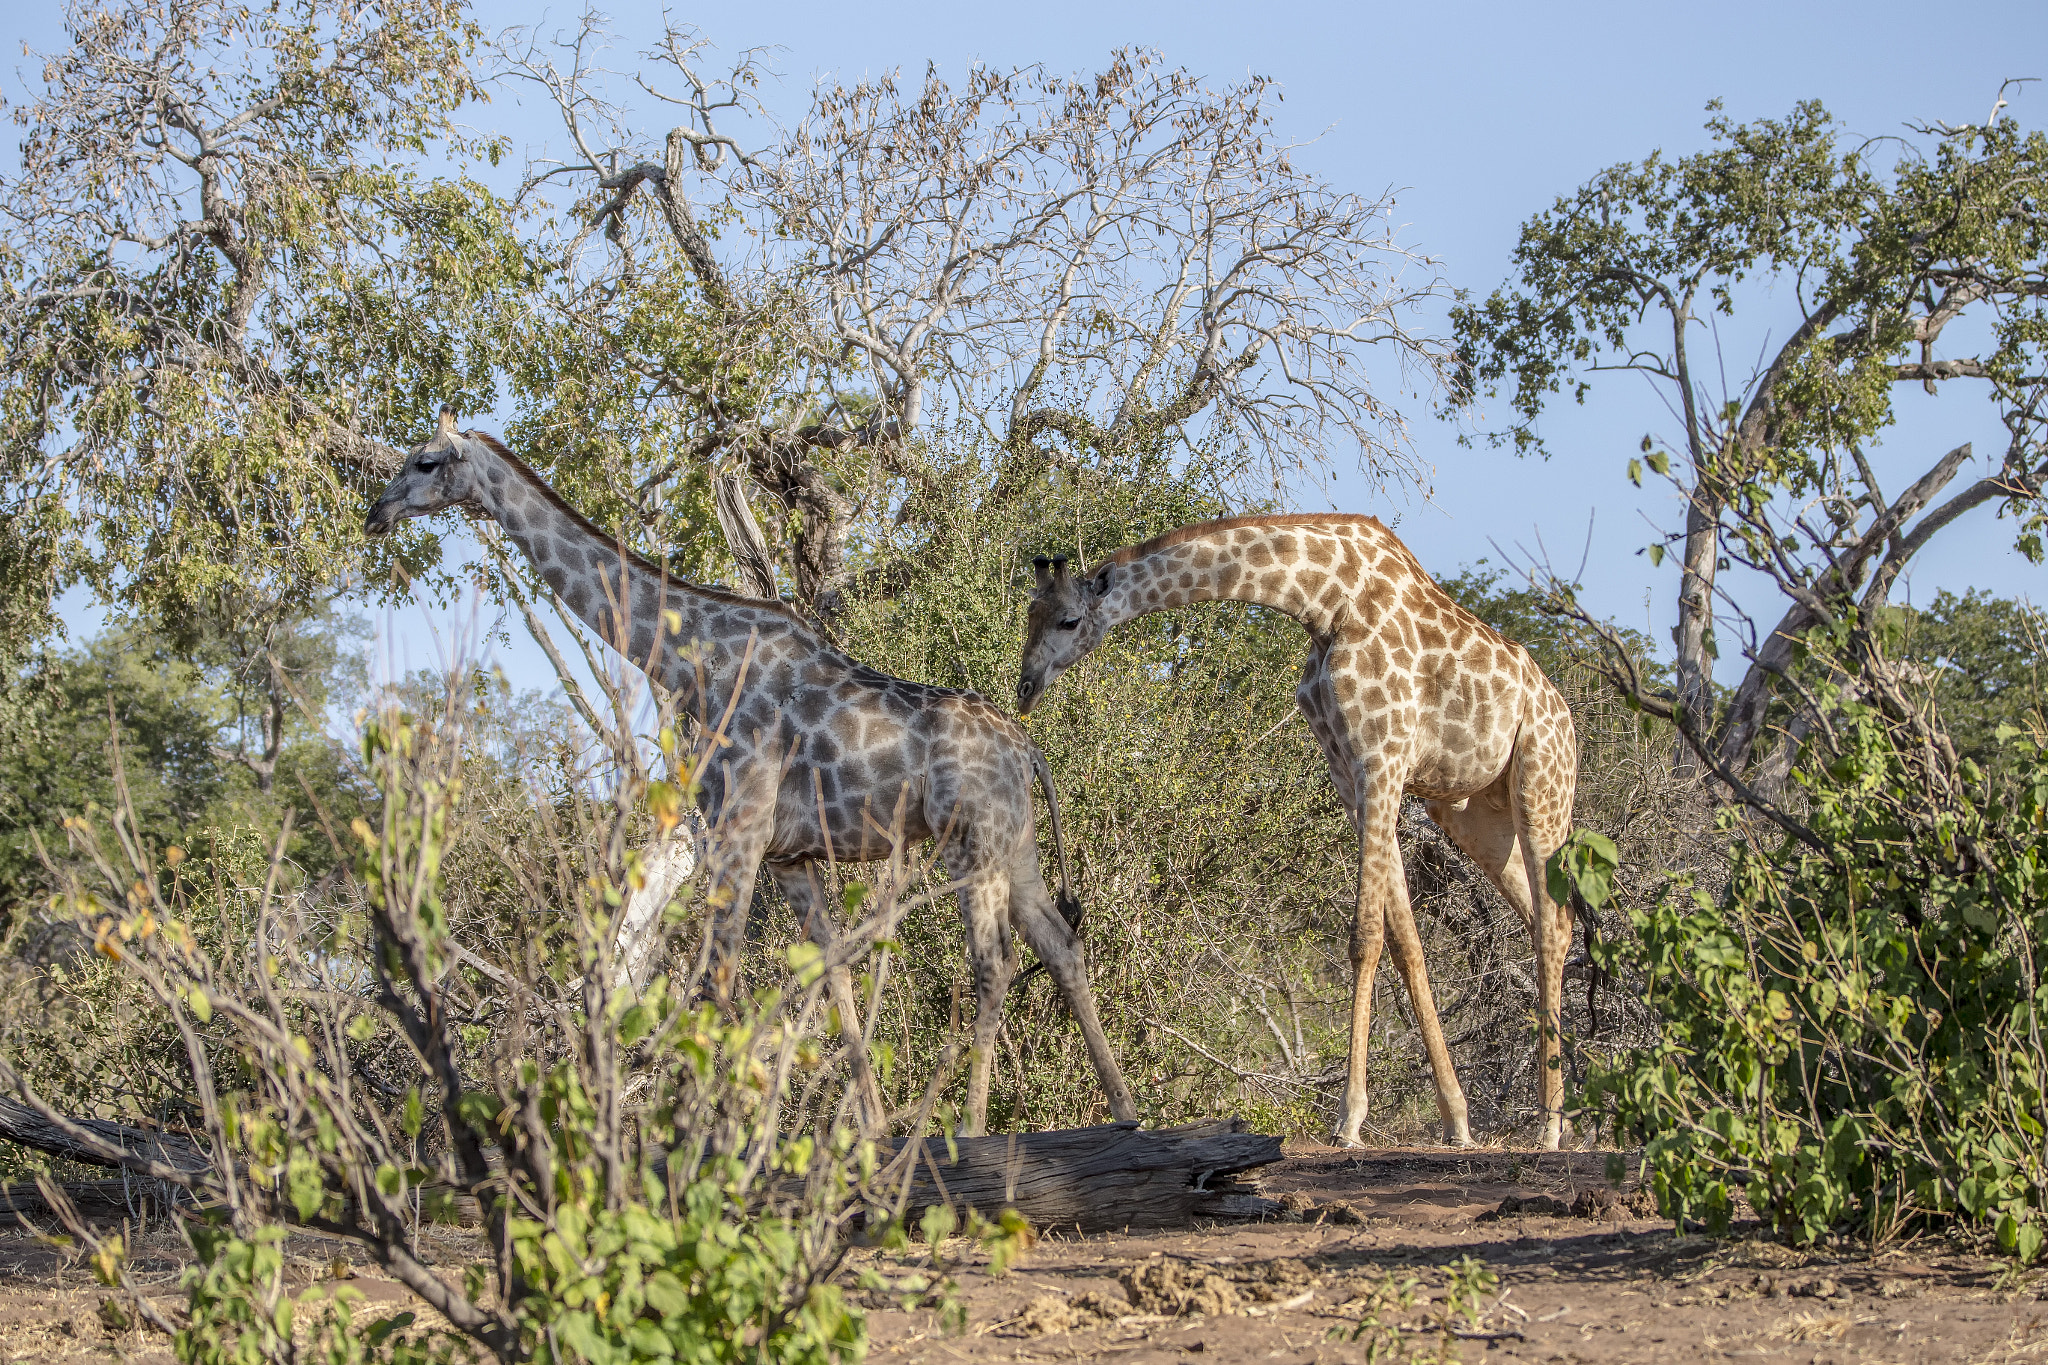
(428, 466)
(1070, 623)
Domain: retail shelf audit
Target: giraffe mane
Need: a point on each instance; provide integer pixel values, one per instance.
(1182, 534)
(638, 560)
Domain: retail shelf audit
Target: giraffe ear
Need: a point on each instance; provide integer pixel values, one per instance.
(1099, 585)
(1041, 569)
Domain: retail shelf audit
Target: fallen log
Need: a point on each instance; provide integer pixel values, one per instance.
(1101, 1179)
(19, 1123)
(94, 1198)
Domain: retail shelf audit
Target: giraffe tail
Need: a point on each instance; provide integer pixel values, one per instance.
(1068, 903)
(1595, 977)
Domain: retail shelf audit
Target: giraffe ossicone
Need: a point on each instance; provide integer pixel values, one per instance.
(823, 757)
(1407, 692)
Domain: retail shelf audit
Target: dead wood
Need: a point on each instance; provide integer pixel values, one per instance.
(1101, 1179)
(19, 1123)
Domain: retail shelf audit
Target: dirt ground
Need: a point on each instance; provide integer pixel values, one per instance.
(1600, 1286)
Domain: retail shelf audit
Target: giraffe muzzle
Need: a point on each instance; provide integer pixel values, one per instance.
(383, 516)
(1027, 693)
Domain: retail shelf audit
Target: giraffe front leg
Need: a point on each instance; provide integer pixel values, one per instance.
(1407, 946)
(1383, 888)
(984, 903)
(729, 897)
(799, 886)
(1368, 936)
(741, 827)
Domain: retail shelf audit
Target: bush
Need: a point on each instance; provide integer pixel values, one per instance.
(1852, 1034)
(659, 1178)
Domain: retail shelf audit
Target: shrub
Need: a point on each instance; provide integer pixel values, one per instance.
(1852, 1034)
(659, 1177)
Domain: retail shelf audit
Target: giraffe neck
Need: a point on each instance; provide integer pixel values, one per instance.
(689, 639)
(1307, 569)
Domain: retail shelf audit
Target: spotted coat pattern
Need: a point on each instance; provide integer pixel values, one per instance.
(825, 757)
(1407, 692)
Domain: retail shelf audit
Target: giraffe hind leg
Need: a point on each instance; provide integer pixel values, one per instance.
(1046, 928)
(1491, 829)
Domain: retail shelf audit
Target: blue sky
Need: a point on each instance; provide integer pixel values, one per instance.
(1479, 114)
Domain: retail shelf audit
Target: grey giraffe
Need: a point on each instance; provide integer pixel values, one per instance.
(824, 755)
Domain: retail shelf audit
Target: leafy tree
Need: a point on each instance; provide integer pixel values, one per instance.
(232, 272)
(1982, 656)
(229, 281)
(165, 718)
(1077, 270)
(198, 732)
(1866, 274)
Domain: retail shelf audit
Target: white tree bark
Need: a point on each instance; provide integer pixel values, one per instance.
(668, 863)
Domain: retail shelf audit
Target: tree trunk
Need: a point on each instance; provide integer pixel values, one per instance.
(1693, 636)
(668, 865)
(743, 538)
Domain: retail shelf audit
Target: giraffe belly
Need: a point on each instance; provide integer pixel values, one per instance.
(1448, 775)
(851, 832)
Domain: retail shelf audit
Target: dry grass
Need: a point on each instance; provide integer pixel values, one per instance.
(1814, 1327)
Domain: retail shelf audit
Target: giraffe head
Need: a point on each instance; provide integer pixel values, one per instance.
(1065, 621)
(447, 471)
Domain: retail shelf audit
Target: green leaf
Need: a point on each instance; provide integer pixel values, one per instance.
(478, 1111)
(938, 1224)
(2026, 1243)
(666, 1294)
(1586, 862)
(636, 1023)
(306, 1184)
(806, 961)
(382, 1328)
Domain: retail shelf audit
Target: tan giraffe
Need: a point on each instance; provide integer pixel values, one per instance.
(823, 754)
(1407, 692)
